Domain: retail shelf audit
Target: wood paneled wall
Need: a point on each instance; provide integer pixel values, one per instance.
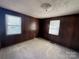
(68, 33)
(27, 33)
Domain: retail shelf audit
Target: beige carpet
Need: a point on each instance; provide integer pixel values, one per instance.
(37, 49)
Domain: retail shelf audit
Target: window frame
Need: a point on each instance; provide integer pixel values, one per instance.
(8, 26)
(52, 29)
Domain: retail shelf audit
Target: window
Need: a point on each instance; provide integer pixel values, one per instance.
(54, 27)
(13, 24)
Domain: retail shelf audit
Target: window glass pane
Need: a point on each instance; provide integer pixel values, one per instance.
(11, 30)
(13, 20)
(54, 27)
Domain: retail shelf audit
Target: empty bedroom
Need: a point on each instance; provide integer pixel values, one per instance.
(39, 29)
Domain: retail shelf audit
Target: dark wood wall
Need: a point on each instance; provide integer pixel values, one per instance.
(27, 33)
(68, 33)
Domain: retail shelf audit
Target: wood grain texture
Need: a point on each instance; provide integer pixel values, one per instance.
(68, 33)
(27, 33)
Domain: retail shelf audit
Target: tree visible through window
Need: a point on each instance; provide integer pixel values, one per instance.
(13, 24)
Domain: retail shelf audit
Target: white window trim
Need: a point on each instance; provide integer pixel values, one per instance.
(54, 27)
(7, 26)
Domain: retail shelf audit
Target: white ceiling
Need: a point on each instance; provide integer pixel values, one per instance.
(32, 7)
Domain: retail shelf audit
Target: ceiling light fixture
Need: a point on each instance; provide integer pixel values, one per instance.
(46, 6)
